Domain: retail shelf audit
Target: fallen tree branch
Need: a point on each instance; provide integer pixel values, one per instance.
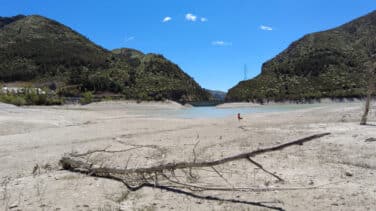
(104, 151)
(76, 163)
(193, 195)
(238, 189)
(73, 163)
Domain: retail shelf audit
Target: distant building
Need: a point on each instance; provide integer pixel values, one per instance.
(21, 90)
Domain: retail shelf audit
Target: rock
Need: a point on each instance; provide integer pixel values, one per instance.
(370, 140)
(13, 206)
(349, 174)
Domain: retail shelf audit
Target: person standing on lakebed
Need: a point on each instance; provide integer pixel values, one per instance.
(239, 117)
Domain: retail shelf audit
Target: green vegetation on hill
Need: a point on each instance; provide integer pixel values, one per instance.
(30, 97)
(7, 20)
(49, 54)
(153, 77)
(324, 64)
(34, 47)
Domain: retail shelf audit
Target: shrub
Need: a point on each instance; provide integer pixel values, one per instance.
(30, 98)
(87, 97)
(12, 99)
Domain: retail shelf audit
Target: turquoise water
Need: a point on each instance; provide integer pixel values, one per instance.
(214, 112)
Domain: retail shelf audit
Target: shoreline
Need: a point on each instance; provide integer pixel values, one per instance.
(177, 105)
(323, 101)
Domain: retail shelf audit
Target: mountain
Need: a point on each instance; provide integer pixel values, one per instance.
(7, 20)
(159, 78)
(324, 64)
(217, 95)
(46, 53)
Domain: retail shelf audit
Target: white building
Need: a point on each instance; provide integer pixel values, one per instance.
(21, 90)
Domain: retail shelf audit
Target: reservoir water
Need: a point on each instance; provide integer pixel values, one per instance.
(214, 112)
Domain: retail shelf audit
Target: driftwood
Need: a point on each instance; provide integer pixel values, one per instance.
(150, 176)
(74, 163)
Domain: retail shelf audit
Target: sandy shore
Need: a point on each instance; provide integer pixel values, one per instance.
(337, 172)
(318, 101)
(237, 105)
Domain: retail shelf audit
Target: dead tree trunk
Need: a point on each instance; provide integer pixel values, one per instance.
(370, 90)
(74, 162)
(363, 121)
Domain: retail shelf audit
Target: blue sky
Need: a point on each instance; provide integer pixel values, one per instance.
(211, 40)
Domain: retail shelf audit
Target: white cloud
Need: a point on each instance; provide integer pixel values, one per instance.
(190, 17)
(221, 43)
(266, 28)
(166, 19)
(128, 39)
(203, 19)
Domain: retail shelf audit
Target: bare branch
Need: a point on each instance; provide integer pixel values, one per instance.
(194, 156)
(220, 175)
(104, 151)
(194, 150)
(262, 168)
(71, 162)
